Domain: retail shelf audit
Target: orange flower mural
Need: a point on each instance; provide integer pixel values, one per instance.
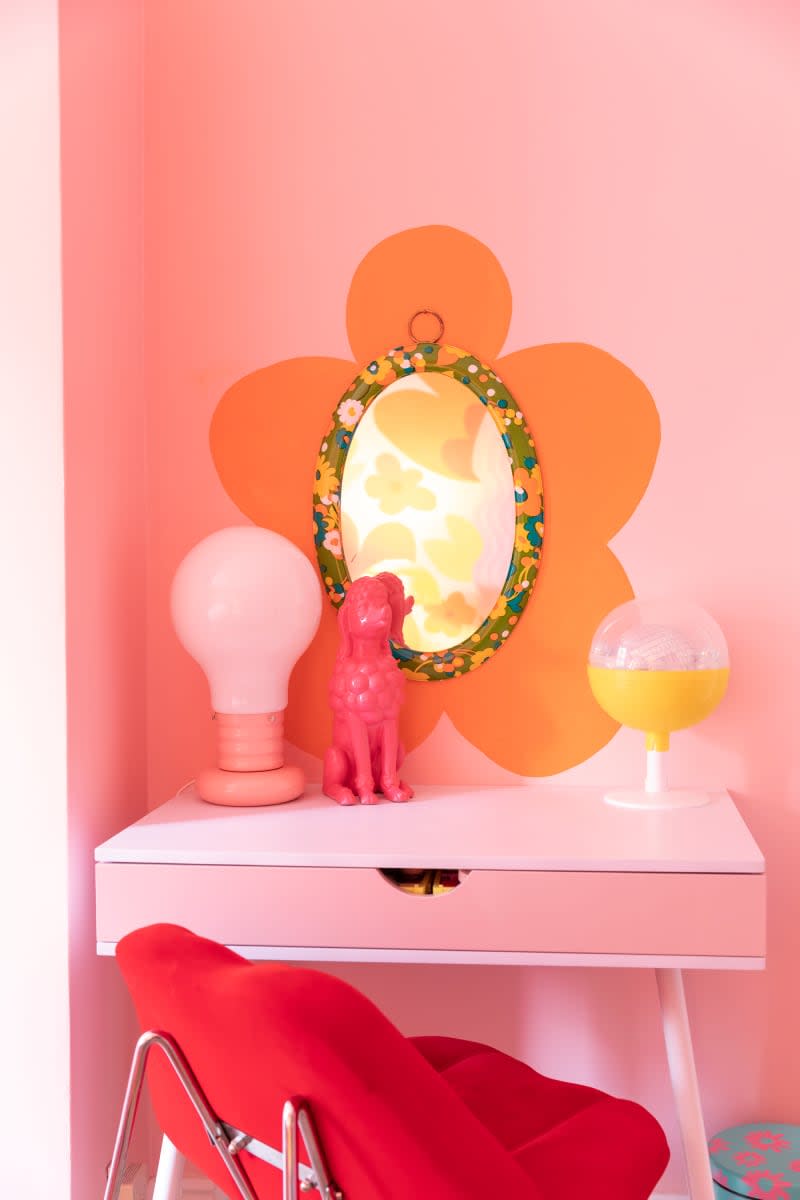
(596, 432)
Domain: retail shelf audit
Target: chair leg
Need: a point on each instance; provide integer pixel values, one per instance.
(289, 1191)
(227, 1141)
(127, 1117)
(169, 1175)
(172, 1160)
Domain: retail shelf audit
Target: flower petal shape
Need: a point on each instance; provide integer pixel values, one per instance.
(456, 555)
(530, 708)
(434, 268)
(596, 432)
(390, 540)
(265, 459)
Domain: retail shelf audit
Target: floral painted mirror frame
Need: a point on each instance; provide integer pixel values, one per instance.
(515, 434)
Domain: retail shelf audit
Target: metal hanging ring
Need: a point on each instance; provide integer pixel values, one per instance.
(425, 312)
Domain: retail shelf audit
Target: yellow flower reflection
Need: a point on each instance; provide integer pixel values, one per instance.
(396, 488)
(453, 616)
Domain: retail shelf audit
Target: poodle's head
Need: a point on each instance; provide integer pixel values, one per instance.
(374, 607)
(401, 605)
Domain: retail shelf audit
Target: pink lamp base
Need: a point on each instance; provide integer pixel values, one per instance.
(250, 789)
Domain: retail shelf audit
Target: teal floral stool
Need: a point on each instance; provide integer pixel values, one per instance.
(756, 1160)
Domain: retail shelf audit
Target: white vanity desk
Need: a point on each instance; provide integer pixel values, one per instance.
(557, 877)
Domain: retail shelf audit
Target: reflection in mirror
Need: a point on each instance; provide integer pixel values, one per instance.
(428, 493)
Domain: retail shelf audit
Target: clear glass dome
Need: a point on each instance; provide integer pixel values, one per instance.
(659, 635)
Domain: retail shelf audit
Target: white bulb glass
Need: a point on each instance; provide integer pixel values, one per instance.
(245, 604)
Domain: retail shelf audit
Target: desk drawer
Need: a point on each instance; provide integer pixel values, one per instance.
(567, 912)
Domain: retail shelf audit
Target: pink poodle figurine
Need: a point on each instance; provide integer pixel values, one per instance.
(366, 691)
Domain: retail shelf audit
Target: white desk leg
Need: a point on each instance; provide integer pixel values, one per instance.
(169, 1175)
(682, 1071)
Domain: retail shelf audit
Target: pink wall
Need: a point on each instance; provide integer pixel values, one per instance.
(104, 429)
(635, 169)
(34, 1001)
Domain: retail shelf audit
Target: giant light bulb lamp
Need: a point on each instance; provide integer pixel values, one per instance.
(245, 605)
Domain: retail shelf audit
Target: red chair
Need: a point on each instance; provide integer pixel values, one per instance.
(255, 1052)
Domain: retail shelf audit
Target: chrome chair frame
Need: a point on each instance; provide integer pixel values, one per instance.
(228, 1140)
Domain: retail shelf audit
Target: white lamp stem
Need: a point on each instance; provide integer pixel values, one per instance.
(656, 777)
(657, 794)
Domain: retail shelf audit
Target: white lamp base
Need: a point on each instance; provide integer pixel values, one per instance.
(670, 798)
(656, 793)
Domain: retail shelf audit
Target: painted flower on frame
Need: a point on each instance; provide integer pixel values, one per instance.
(350, 412)
(333, 542)
(718, 1145)
(319, 527)
(327, 484)
(749, 1158)
(529, 707)
(528, 490)
(380, 372)
(499, 609)
(522, 541)
(479, 657)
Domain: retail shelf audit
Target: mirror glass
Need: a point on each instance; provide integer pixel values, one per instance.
(427, 492)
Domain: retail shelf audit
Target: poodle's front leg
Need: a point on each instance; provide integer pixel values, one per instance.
(362, 784)
(392, 787)
(336, 776)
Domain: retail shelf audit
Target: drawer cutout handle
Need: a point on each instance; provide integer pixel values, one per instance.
(424, 881)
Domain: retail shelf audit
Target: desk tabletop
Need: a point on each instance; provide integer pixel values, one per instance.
(530, 827)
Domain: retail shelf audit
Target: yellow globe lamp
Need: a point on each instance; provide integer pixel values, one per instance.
(658, 667)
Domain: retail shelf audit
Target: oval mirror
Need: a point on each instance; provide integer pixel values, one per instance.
(429, 471)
